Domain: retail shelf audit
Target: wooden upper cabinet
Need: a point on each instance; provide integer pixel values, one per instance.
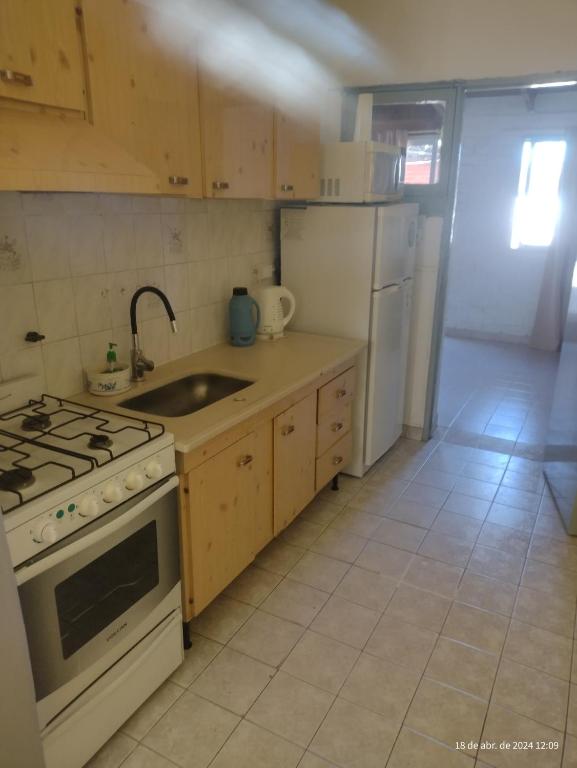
(143, 89)
(41, 53)
(297, 157)
(237, 141)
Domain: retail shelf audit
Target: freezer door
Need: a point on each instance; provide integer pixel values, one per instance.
(407, 291)
(395, 244)
(386, 379)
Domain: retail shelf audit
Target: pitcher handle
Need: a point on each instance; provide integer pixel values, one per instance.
(285, 293)
(256, 306)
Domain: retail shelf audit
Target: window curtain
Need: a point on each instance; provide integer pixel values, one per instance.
(556, 284)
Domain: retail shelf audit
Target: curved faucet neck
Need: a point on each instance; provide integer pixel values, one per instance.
(157, 292)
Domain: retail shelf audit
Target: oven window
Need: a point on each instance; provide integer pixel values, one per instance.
(94, 597)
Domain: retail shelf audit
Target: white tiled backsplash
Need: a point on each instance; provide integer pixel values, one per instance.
(69, 264)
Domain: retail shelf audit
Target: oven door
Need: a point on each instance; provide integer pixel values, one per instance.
(88, 594)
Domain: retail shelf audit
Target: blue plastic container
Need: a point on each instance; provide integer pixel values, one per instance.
(243, 322)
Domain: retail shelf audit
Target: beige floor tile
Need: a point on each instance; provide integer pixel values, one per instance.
(532, 693)
(279, 557)
(339, 544)
(191, 732)
(557, 614)
(142, 757)
(381, 686)
(540, 649)
(487, 593)
(379, 492)
(518, 499)
(447, 549)
(572, 713)
(401, 643)
(252, 747)
(267, 638)
(389, 561)
(557, 553)
(446, 714)
(459, 526)
(400, 535)
(463, 667)
(113, 753)
(461, 504)
(523, 482)
(413, 750)
(354, 737)
(253, 585)
(373, 590)
(483, 472)
(356, 521)
(221, 619)
(512, 517)
(291, 708)
(436, 478)
(319, 571)
(496, 564)
(294, 601)
(314, 761)
(345, 621)
(415, 606)
(233, 681)
(152, 710)
(478, 628)
(547, 578)
(196, 658)
(570, 752)
(412, 512)
(425, 494)
(506, 539)
(321, 661)
(320, 511)
(433, 576)
(302, 533)
(502, 725)
(479, 489)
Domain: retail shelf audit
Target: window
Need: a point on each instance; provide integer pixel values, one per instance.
(537, 203)
(423, 158)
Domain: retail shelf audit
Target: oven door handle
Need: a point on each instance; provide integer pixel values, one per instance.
(40, 566)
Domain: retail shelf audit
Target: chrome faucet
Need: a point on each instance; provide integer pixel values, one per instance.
(138, 362)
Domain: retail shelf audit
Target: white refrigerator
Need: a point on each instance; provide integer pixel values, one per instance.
(351, 268)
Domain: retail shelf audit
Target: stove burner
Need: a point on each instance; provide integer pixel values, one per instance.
(99, 441)
(16, 479)
(36, 422)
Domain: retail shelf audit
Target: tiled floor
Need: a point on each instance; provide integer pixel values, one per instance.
(429, 604)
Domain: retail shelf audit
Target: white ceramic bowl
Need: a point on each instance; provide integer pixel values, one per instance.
(106, 383)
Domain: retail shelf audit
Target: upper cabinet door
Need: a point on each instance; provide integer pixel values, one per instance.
(297, 157)
(144, 89)
(41, 53)
(237, 138)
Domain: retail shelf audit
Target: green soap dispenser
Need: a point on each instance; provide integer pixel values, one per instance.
(111, 357)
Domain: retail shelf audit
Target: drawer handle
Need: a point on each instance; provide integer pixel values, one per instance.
(287, 430)
(18, 78)
(341, 393)
(242, 462)
(178, 181)
(220, 185)
(337, 426)
(286, 188)
(337, 460)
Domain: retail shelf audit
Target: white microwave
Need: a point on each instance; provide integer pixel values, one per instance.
(361, 172)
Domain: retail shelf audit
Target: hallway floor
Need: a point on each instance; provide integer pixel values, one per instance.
(432, 602)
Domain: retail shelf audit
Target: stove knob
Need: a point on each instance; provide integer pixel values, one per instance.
(153, 470)
(112, 493)
(88, 506)
(45, 533)
(133, 481)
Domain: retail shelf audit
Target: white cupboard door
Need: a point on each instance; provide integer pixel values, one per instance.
(383, 416)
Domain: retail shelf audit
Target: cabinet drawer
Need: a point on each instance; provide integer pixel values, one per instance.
(333, 461)
(333, 426)
(336, 392)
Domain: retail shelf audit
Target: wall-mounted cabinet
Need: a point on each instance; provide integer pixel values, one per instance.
(144, 90)
(41, 53)
(297, 148)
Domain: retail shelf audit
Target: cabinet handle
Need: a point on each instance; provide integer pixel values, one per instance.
(178, 181)
(244, 460)
(286, 188)
(287, 430)
(341, 393)
(337, 460)
(18, 78)
(337, 426)
(220, 185)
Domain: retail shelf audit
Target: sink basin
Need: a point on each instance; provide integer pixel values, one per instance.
(186, 395)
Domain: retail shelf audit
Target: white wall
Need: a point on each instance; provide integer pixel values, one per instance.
(427, 40)
(493, 290)
(69, 264)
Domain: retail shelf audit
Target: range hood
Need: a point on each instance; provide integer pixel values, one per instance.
(49, 152)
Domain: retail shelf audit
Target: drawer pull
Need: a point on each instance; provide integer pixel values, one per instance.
(337, 426)
(18, 78)
(337, 460)
(178, 181)
(341, 393)
(287, 430)
(218, 185)
(242, 462)
(286, 188)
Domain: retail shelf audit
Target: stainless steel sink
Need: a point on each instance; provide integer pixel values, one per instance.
(186, 395)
